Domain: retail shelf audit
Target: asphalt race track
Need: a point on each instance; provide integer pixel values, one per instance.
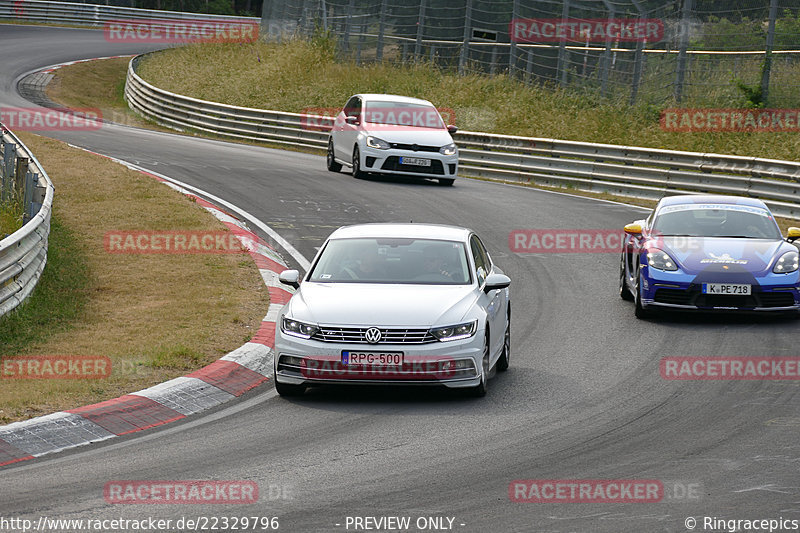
(583, 399)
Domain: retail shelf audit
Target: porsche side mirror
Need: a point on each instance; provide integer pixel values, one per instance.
(633, 229)
(353, 121)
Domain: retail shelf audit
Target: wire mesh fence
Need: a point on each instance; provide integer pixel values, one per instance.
(695, 52)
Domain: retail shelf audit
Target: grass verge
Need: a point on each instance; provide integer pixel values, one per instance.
(155, 316)
(300, 74)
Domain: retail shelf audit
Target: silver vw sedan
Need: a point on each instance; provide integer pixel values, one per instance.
(400, 304)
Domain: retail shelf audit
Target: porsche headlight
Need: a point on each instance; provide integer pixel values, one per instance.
(450, 149)
(454, 333)
(297, 328)
(661, 260)
(380, 144)
(788, 262)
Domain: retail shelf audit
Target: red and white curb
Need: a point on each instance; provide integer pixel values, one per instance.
(223, 380)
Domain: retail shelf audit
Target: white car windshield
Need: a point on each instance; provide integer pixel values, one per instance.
(393, 260)
(402, 114)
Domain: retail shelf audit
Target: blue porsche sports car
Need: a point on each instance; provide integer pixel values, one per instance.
(710, 253)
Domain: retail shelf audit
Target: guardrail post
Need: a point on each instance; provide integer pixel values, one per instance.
(9, 163)
(19, 176)
(31, 178)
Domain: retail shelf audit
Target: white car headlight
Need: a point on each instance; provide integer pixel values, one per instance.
(661, 260)
(297, 328)
(454, 333)
(788, 262)
(450, 149)
(380, 144)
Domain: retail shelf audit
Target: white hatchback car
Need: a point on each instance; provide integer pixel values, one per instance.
(388, 134)
(402, 304)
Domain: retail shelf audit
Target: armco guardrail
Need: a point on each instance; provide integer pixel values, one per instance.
(23, 254)
(623, 170)
(95, 14)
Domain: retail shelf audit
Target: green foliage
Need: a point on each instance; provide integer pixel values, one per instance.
(752, 93)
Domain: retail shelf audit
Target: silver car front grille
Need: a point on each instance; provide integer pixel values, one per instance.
(388, 335)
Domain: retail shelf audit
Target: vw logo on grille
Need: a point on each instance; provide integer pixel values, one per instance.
(415, 147)
(373, 335)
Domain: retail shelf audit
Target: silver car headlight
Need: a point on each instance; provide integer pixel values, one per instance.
(661, 260)
(457, 332)
(296, 328)
(380, 144)
(788, 262)
(450, 149)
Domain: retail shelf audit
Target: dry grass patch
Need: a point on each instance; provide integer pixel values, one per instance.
(96, 84)
(155, 316)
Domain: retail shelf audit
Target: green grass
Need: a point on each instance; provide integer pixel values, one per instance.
(299, 75)
(59, 296)
(10, 217)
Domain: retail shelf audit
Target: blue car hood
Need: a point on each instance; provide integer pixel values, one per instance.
(696, 254)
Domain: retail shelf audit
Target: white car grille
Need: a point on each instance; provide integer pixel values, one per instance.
(388, 335)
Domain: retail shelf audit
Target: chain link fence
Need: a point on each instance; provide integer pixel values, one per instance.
(699, 52)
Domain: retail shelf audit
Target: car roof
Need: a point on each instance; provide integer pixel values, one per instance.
(403, 230)
(392, 98)
(711, 199)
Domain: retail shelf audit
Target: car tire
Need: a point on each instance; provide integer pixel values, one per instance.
(333, 166)
(479, 390)
(447, 182)
(640, 312)
(357, 172)
(286, 389)
(624, 291)
(505, 358)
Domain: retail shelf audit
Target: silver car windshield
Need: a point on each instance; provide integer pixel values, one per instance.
(716, 221)
(393, 260)
(402, 114)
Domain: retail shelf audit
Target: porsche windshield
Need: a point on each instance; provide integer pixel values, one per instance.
(721, 220)
(393, 260)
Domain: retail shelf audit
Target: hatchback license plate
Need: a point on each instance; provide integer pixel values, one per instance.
(372, 358)
(727, 288)
(415, 161)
